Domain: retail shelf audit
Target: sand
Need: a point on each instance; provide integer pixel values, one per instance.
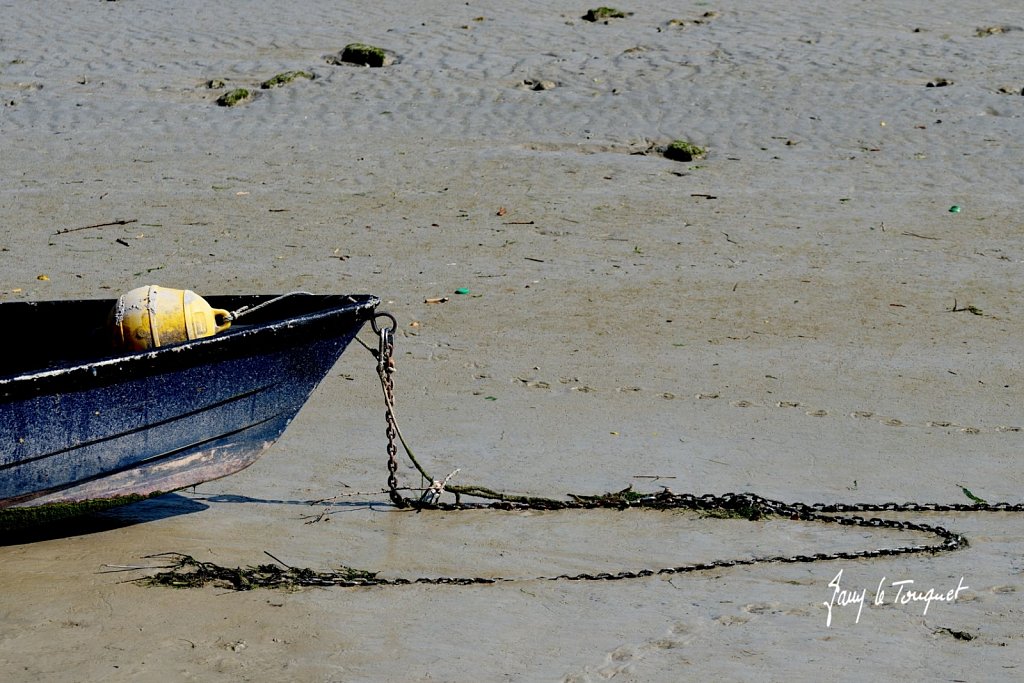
(798, 314)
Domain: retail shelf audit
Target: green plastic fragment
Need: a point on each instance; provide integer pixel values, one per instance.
(955, 208)
(976, 499)
(462, 290)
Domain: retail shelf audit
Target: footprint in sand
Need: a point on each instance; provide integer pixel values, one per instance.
(863, 414)
(732, 619)
(761, 607)
(620, 659)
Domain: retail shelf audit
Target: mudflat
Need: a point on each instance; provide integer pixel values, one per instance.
(824, 307)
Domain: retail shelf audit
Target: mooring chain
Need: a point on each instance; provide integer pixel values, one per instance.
(386, 371)
(743, 505)
(189, 572)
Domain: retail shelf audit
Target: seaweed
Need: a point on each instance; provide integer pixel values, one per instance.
(188, 572)
(682, 150)
(613, 498)
(604, 14)
(234, 97)
(749, 512)
(285, 78)
(363, 55)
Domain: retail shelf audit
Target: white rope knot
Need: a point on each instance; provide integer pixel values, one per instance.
(433, 493)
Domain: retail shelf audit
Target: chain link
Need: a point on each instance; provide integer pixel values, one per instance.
(386, 371)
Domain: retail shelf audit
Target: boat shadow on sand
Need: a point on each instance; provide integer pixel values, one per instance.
(162, 507)
(165, 507)
(317, 509)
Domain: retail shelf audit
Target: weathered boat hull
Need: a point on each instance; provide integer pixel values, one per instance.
(121, 427)
(200, 463)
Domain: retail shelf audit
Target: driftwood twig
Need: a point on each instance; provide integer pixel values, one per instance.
(96, 225)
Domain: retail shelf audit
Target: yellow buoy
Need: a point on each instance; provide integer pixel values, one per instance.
(151, 316)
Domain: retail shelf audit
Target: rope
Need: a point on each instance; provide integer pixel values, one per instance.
(246, 310)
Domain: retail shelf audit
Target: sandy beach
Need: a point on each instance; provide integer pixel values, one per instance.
(825, 308)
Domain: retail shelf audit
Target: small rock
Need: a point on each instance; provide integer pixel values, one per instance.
(362, 55)
(681, 150)
(539, 85)
(285, 78)
(703, 19)
(959, 635)
(234, 97)
(604, 14)
(985, 31)
(215, 84)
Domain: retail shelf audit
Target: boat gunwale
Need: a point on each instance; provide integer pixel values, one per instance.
(21, 385)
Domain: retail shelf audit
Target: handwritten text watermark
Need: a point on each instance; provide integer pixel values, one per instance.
(903, 592)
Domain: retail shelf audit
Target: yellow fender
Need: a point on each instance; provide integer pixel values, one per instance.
(150, 316)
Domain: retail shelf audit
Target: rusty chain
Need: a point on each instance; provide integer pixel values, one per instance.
(189, 572)
(386, 371)
(747, 505)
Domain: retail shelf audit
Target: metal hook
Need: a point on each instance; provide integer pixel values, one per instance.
(383, 314)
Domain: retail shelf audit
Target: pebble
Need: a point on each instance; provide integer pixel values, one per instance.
(539, 85)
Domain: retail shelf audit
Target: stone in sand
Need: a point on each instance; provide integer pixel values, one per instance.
(362, 55)
(285, 78)
(604, 14)
(681, 150)
(234, 97)
(539, 85)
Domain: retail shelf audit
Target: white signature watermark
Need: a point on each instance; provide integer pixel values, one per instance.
(905, 593)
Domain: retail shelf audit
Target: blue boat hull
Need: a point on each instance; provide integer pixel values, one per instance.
(157, 421)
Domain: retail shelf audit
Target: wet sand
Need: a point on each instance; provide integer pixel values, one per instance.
(791, 316)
